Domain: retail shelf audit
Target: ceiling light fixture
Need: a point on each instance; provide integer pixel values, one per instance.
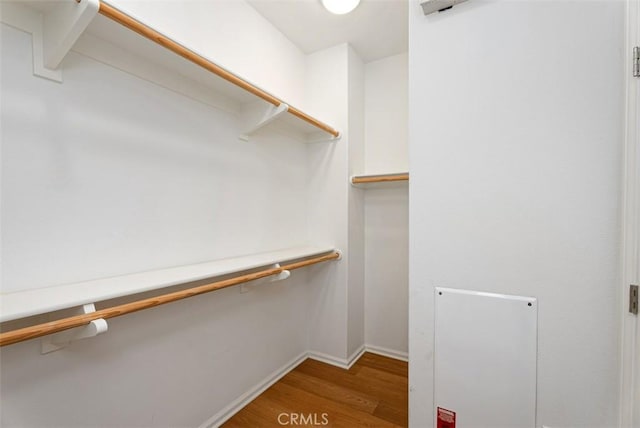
(340, 7)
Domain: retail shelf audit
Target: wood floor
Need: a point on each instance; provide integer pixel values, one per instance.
(373, 393)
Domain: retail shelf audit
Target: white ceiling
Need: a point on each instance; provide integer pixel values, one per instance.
(376, 28)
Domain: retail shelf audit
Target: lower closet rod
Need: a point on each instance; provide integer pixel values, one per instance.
(44, 329)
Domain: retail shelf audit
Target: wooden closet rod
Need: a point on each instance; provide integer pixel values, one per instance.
(380, 178)
(39, 330)
(151, 34)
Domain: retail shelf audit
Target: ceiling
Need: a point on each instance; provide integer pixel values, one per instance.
(376, 28)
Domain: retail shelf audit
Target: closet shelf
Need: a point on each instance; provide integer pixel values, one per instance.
(43, 300)
(66, 21)
(380, 180)
(89, 322)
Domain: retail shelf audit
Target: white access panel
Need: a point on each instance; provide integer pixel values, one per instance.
(485, 358)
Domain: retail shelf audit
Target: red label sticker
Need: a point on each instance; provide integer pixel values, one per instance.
(446, 418)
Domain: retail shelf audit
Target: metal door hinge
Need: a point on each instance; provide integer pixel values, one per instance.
(633, 299)
(636, 61)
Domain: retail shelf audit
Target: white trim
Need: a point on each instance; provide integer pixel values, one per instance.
(630, 269)
(238, 404)
(338, 362)
(343, 363)
(347, 363)
(356, 356)
(386, 352)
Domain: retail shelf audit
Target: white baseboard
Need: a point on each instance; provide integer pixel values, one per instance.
(338, 362)
(386, 352)
(329, 359)
(356, 355)
(223, 415)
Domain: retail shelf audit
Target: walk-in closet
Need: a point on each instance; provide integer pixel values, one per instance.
(265, 213)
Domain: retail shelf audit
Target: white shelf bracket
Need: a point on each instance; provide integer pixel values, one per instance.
(60, 340)
(53, 33)
(322, 137)
(271, 114)
(246, 287)
(61, 28)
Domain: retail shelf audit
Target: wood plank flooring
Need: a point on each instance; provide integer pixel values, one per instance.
(373, 393)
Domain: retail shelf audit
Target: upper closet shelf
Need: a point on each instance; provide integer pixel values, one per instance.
(129, 40)
(380, 180)
(22, 304)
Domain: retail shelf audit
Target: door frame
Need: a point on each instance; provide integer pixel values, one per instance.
(630, 363)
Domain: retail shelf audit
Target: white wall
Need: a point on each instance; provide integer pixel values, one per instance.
(107, 174)
(386, 116)
(89, 187)
(149, 178)
(386, 209)
(356, 286)
(232, 34)
(387, 270)
(515, 179)
(334, 76)
(327, 85)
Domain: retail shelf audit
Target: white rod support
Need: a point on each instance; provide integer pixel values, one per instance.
(244, 288)
(281, 276)
(53, 33)
(62, 27)
(321, 137)
(271, 114)
(60, 340)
